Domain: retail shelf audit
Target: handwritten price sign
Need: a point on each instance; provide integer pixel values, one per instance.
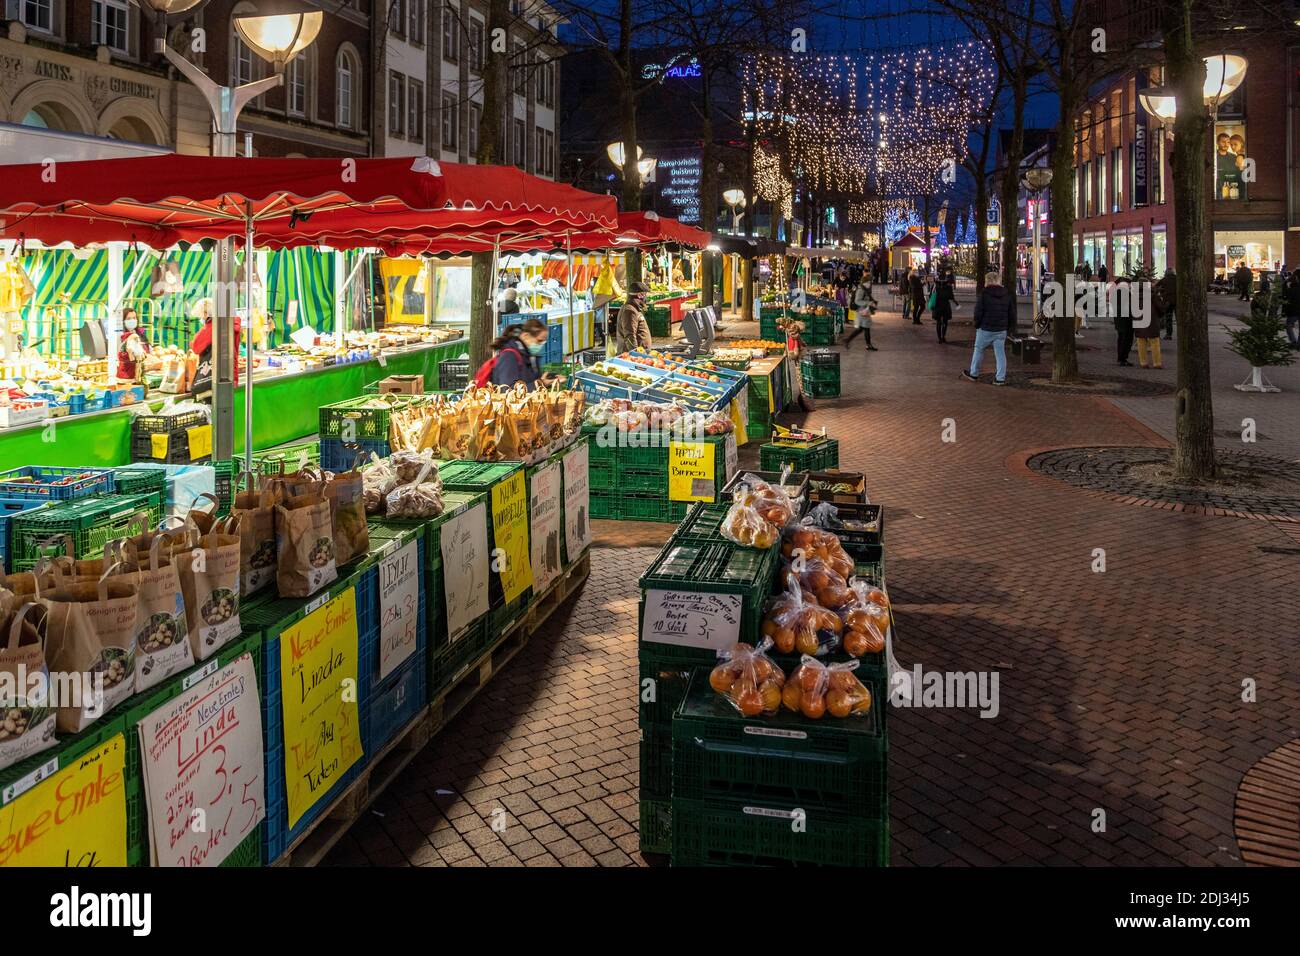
(399, 607)
(201, 754)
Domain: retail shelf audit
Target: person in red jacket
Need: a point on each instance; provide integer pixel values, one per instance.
(201, 346)
(132, 349)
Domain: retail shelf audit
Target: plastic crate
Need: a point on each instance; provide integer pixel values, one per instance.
(796, 483)
(601, 475)
(168, 423)
(10, 509)
(453, 374)
(338, 456)
(448, 663)
(476, 477)
(144, 448)
(663, 677)
(141, 705)
(820, 358)
(834, 764)
(717, 567)
(37, 483)
(822, 389)
(736, 833)
(87, 525)
(224, 484)
(286, 458)
(829, 479)
(363, 418)
(815, 457)
(603, 505)
(656, 760)
(656, 831)
(659, 319)
(862, 544)
(398, 700)
(140, 481)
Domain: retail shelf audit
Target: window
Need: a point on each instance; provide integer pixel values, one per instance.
(450, 120)
(245, 65)
(1158, 180)
(295, 83)
(450, 34)
(542, 70)
(550, 152)
(1087, 190)
(109, 25)
(476, 45)
(1159, 250)
(1116, 177)
(521, 145)
(396, 103)
(539, 150)
(415, 22)
(36, 14)
(475, 118)
(344, 89)
(397, 17)
(519, 64)
(415, 111)
(1078, 213)
(1101, 184)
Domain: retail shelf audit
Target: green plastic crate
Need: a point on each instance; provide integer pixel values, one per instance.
(369, 423)
(762, 833)
(656, 759)
(833, 764)
(286, 458)
(449, 662)
(660, 321)
(475, 476)
(656, 831)
(139, 481)
(816, 457)
(603, 505)
(645, 507)
(88, 523)
(663, 677)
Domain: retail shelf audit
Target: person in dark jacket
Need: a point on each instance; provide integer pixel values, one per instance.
(516, 356)
(1166, 300)
(916, 295)
(995, 315)
(1291, 308)
(1244, 279)
(1123, 323)
(1103, 274)
(944, 293)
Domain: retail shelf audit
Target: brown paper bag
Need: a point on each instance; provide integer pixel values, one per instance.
(345, 493)
(209, 574)
(26, 718)
(161, 637)
(90, 648)
(304, 542)
(256, 513)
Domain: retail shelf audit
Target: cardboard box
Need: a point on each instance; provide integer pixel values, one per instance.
(402, 385)
(855, 480)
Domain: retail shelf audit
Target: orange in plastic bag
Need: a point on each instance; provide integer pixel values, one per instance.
(866, 619)
(794, 623)
(815, 689)
(749, 679)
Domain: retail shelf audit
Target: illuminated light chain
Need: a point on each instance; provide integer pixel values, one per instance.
(877, 210)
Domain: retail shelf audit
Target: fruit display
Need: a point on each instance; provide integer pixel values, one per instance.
(688, 392)
(749, 679)
(619, 374)
(758, 513)
(866, 620)
(817, 579)
(815, 689)
(796, 624)
(807, 542)
(754, 344)
(669, 363)
(734, 355)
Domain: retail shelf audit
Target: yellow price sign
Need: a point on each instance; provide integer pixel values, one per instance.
(200, 437)
(77, 817)
(158, 444)
(511, 556)
(318, 681)
(692, 471)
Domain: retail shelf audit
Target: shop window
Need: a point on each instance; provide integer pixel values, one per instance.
(34, 14)
(1116, 177)
(450, 120)
(396, 104)
(1230, 161)
(1159, 250)
(475, 45)
(110, 25)
(1101, 184)
(450, 34)
(345, 75)
(415, 111)
(1087, 190)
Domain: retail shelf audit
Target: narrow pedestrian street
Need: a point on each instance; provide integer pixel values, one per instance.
(1121, 734)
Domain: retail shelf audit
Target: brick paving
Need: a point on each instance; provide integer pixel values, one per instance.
(1120, 691)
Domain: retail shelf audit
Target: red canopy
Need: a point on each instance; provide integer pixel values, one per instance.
(168, 199)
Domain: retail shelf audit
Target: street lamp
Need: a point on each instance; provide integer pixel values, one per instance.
(280, 32)
(1036, 179)
(1160, 102)
(735, 199)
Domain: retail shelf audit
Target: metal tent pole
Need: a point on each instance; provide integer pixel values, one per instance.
(249, 262)
(568, 242)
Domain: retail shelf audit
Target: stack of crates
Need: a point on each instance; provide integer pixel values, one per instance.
(740, 785)
(696, 564)
(817, 456)
(79, 528)
(142, 481)
(630, 482)
(357, 427)
(768, 315)
(479, 478)
(602, 483)
(820, 371)
(172, 439)
(763, 406)
(659, 318)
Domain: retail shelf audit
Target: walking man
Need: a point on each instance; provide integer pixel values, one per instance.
(995, 314)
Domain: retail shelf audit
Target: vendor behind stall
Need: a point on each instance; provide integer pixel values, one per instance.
(515, 358)
(202, 347)
(632, 329)
(132, 349)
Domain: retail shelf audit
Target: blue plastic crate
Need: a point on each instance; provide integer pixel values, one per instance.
(553, 351)
(597, 387)
(37, 484)
(337, 455)
(11, 508)
(398, 701)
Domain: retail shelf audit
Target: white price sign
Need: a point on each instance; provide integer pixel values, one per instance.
(399, 607)
(691, 618)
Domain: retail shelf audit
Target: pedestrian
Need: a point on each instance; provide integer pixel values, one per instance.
(509, 303)
(1123, 320)
(916, 292)
(1166, 294)
(1148, 335)
(1244, 279)
(631, 327)
(1291, 309)
(1103, 274)
(864, 307)
(944, 293)
(995, 315)
(515, 355)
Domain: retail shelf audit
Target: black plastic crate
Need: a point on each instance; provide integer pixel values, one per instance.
(796, 483)
(178, 448)
(168, 423)
(453, 374)
(820, 357)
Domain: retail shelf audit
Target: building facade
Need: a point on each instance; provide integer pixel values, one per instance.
(1123, 172)
(428, 95)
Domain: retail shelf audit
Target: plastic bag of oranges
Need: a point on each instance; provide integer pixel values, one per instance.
(749, 679)
(771, 501)
(866, 619)
(745, 525)
(815, 689)
(795, 623)
(818, 580)
(805, 541)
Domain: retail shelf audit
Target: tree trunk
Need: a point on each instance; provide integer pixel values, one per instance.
(709, 262)
(1194, 406)
(1011, 184)
(1065, 358)
(981, 228)
(482, 282)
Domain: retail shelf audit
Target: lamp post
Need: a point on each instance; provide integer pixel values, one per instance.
(277, 35)
(1036, 179)
(735, 200)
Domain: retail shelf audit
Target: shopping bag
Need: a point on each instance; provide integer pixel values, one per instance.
(304, 544)
(162, 647)
(90, 647)
(26, 718)
(209, 573)
(346, 495)
(256, 513)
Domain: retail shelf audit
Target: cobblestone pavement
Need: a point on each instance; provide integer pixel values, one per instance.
(1120, 705)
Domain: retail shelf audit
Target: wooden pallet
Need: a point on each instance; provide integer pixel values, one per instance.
(346, 809)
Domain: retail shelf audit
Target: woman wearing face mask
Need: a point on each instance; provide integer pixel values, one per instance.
(632, 329)
(132, 349)
(516, 356)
